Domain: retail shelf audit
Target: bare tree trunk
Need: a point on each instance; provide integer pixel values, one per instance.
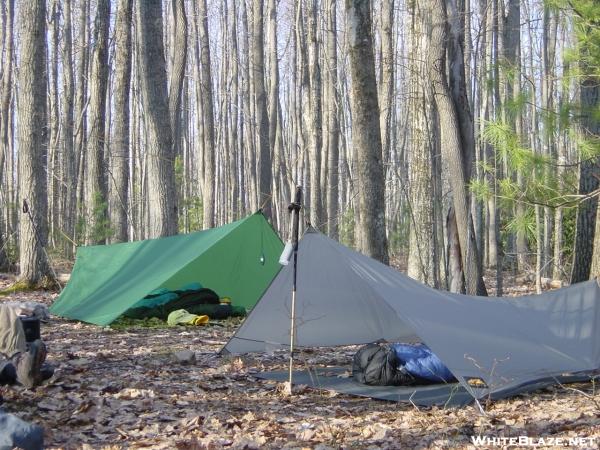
(179, 41)
(81, 104)
(366, 134)
(247, 126)
(479, 100)
(199, 107)
(490, 156)
(558, 272)
(208, 152)
(511, 54)
(33, 141)
(455, 269)
(315, 118)
(280, 185)
(458, 82)
(180, 29)
(235, 115)
(5, 109)
(458, 87)
(162, 213)
(274, 130)
(386, 94)
(586, 231)
(302, 110)
(490, 109)
(333, 126)
(95, 184)
(452, 150)
(222, 131)
(258, 67)
(387, 77)
(53, 172)
(421, 148)
(119, 173)
(550, 27)
(68, 186)
(595, 266)
(135, 230)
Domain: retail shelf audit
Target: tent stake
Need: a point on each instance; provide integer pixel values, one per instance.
(294, 208)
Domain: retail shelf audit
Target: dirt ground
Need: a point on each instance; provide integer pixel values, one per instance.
(126, 389)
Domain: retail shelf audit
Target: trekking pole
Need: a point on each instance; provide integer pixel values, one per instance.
(294, 208)
(40, 242)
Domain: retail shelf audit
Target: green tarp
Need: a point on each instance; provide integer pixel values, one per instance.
(238, 260)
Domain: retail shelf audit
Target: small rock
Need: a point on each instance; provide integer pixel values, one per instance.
(185, 356)
(323, 447)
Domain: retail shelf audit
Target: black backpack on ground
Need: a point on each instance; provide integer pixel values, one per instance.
(378, 365)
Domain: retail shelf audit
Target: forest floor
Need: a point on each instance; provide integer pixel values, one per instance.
(126, 389)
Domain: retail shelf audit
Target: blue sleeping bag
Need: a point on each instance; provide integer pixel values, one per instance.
(421, 362)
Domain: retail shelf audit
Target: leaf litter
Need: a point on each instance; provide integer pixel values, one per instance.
(126, 388)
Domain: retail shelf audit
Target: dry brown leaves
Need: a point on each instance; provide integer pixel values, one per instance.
(125, 389)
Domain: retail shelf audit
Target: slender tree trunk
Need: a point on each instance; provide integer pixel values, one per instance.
(235, 115)
(53, 172)
(247, 133)
(333, 126)
(458, 82)
(208, 147)
(33, 141)
(179, 35)
(273, 98)
(386, 93)
(68, 185)
(199, 107)
(588, 180)
(534, 143)
(511, 55)
(421, 148)
(280, 185)
(455, 269)
(366, 134)
(386, 90)
(119, 173)
(5, 110)
(452, 150)
(315, 118)
(180, 31)
(258, 67)
(95, 184)
(81, 104)
(549, 138)
(162, 212)
(558, 272)
(490, 111)
(480, 73)
(303, 113)
(457, 19)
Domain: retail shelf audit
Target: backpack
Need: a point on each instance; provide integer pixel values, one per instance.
(378, 365)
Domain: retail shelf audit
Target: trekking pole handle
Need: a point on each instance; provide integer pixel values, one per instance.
(296, 204)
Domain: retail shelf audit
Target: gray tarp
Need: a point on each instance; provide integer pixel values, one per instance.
(345, 298)
(16, 433)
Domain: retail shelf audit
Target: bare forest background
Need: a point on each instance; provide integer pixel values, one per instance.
(456, 136)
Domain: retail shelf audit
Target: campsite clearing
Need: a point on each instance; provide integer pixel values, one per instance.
(117, 388)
